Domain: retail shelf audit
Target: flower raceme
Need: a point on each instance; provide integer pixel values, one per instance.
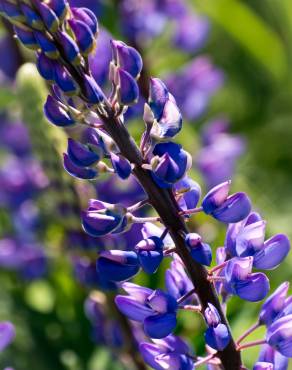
(63, 39)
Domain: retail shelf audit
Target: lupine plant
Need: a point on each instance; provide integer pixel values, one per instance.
(63, 38)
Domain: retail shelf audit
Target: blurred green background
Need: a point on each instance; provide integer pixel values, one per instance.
(251, 41)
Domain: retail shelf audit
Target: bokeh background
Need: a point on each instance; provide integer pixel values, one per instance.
(236, 70)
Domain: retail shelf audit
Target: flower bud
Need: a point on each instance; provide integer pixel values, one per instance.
(83, 173)
(49, 17)
(216, 197)
(121, 165)
(46, 67)
(93, 92)
(270, 355)
(32, 17)
(189, 192)
(279, 335)
(274, 304)
(26, 37)
(217, 335)
(127, 58)
(86, 16)
(47, 45)
(65, 80)
(59, 7)
(56, 113)
(69, 47)
(170, 165)
(103, 218)
(150, 253)
(12, 11)
(128, 90)
(201, 252)
(84, 36)
(117, 266)
(80, 154)
(158, 95)
(274, 251)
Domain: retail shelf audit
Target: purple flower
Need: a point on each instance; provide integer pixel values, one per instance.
(57, 113)
(242, 282)
(103, 218)
(274, 304)
(81, 155)
(168, 120)
(77, 171)
(168, 353)
(228, 209)
(155, 309)
(121, 165)
(170, 163)
(247, 238)
(177, 281)
(263, 366)
(150, 253)
(188, 192)
(269, 355)
(201, 252)
(128, 90)
(217, 335)
(116, 265)
(7, 334)
(127, 58)
(279, 335)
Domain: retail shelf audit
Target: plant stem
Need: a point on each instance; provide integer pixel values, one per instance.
(137, 206)
(191, 211)
(251, 344)
(204, 360)
(247, 333)
(164, 203)
(186, 296)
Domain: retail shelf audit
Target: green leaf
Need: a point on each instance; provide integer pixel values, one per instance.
(250, 31)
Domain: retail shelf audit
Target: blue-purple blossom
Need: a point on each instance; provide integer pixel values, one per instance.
(168, 353)
(170, 163)
(57, 113)
(217, 335)
(7, 334)
(177, 281)
(167, 120)
(279, 335)
(117, 266)
(228, 209)
(247, 238)
(274, 304)
(150, 253)
(268, 355)
(102, 218)
(154, 308)
(201, 252)
(188, 193)
(242, 282)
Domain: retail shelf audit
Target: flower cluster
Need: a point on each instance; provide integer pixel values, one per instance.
(63, 38)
